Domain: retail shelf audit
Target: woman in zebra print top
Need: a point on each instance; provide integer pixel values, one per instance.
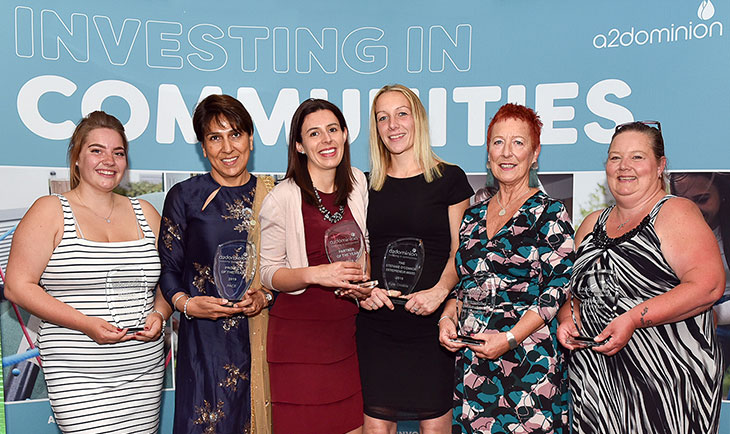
(647, 272)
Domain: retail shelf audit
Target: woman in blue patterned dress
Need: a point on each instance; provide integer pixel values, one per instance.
(519, 245)
(221, 374)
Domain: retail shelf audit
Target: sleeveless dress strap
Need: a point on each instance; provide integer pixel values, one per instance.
(141, 220)
(71, 228)
(658, 206)
(601, 222)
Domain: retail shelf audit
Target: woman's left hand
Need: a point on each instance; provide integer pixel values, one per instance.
(617, 333)
(152, 328)
(494, 346)
(254, 301)
(425, 302)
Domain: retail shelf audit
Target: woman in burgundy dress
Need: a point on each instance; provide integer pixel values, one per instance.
(315, 381)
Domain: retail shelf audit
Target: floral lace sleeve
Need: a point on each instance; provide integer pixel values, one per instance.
(172, 243)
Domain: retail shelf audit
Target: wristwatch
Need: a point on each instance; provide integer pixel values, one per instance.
(511, 340)
(269, 297)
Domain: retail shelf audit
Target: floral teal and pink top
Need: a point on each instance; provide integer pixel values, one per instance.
(530, 258)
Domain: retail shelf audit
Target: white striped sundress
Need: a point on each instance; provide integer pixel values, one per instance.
(114, 388)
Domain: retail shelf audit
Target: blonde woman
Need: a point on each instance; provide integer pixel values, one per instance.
(406, 375)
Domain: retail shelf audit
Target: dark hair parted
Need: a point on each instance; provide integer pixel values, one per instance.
(215, 107)
(522, 113)
(297, 162)
(92, 121)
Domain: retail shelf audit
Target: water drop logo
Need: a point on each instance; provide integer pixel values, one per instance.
(706, 10)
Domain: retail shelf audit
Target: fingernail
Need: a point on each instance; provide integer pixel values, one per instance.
(118, 329)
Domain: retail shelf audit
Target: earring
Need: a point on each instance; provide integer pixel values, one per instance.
(534, 180)
(489, 179)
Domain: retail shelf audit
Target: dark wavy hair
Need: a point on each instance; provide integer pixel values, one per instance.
(297, 162)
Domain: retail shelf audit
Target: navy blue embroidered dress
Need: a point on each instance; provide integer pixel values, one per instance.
(213, 357)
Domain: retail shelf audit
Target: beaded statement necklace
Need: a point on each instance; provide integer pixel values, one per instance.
(332, 218)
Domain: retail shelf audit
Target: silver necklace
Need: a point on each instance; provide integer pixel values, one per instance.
(623, 224)
(107, 218)
(503, 211)
(332, 218)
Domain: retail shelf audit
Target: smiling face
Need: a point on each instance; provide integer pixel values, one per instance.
(323, 142)
(228, 150)
(511, 151)
(395, 122)
(102, 159)
(632, 169)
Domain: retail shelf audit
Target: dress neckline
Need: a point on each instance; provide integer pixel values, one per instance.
(602, 240)
(251, 178)
(508, 223)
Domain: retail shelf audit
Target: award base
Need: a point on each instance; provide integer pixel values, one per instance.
(587, 341)
(468, 340)
(400, 301)
(231, 303)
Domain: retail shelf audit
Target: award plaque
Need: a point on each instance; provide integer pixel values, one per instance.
(344, 242)
(234, 267)
(597, 291)
(127, 296)
(476, 301)
(402, 265)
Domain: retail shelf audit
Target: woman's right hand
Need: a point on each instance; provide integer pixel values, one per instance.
(338, 275)
(447, 332)
(203, 306)
(379, 298)
(566, 332)
(102, 332)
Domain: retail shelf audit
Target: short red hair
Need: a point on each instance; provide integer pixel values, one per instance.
(519, 112)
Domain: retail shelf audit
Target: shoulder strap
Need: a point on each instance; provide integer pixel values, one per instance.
(658, 206)
(142, 224)
(69, 219)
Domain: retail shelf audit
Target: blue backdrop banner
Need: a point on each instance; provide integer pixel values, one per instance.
(584, 66)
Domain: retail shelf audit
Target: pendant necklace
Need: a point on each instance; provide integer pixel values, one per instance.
(503, 211)
(623, 224)
(107, 218)
(332, 218)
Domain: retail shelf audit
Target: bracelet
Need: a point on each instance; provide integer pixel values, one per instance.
(443, 318)
(185, 308)
(511, 340)
(159, 313)
(174, 302)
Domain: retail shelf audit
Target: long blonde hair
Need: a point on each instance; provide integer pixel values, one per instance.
(379, 154)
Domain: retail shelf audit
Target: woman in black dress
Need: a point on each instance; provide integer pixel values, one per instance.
(406, 374)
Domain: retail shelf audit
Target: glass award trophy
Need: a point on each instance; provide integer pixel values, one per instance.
(344, 242)
(127, 296)
(597, 290)
(234, 267)
(476, 301)
(402, 266)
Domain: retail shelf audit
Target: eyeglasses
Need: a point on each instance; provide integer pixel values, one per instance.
(651, 124)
